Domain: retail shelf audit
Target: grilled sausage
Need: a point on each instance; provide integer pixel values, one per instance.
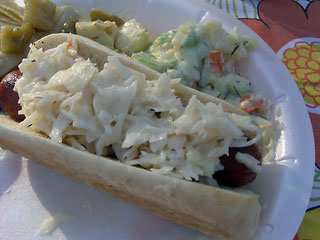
(8, 97)
(237, 174)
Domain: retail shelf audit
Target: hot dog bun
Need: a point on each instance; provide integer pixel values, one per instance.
(231, 214)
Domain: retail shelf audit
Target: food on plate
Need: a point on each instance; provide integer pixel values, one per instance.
(153, 143)
(8, 97)
(21, 26)
(132, 37)
(254, 103)
(202, 54)
(40, 14)
(11, 13)
(101, 32)
(96, 14)
(238, 171)
(51, 223)
(14, 39)
(9, 61)
(140, 122)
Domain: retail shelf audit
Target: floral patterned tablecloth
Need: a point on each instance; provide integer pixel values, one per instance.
(292, 30)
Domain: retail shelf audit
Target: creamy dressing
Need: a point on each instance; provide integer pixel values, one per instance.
(248, 160)
(188, 52)
(117, 111)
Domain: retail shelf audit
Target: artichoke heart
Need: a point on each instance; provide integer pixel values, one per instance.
(40, 13)
(101, 32)
(9, 10)
(96, 14)
(15, 39)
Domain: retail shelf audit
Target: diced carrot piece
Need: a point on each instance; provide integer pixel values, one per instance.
(216, 61)
(251, 106)
(69, 44)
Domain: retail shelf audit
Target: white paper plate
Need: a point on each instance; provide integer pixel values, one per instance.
(31, 193)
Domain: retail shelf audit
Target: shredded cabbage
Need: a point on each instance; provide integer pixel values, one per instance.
(117, 111)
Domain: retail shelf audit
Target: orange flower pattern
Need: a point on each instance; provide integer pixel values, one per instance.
(303, 62)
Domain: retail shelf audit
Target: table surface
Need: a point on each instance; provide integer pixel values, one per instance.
(291, 29)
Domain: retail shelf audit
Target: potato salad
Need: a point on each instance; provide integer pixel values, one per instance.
(203, 55)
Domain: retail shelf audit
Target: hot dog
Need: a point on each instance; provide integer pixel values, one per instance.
(222, 212)
(8, 97)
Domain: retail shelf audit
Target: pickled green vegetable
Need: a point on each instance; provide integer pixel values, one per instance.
(15, 39)
(11, 10)
(69, 27)
(96, 14)
(132, 37)
(8, 21)
(149, 60)
(40, 13)
(101, 32)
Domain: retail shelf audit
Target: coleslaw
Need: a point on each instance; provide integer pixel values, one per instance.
(117, 112)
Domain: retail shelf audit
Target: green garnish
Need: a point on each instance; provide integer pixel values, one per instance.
(149, 60)
(234, 50)
(190, 41)
(236, 91)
